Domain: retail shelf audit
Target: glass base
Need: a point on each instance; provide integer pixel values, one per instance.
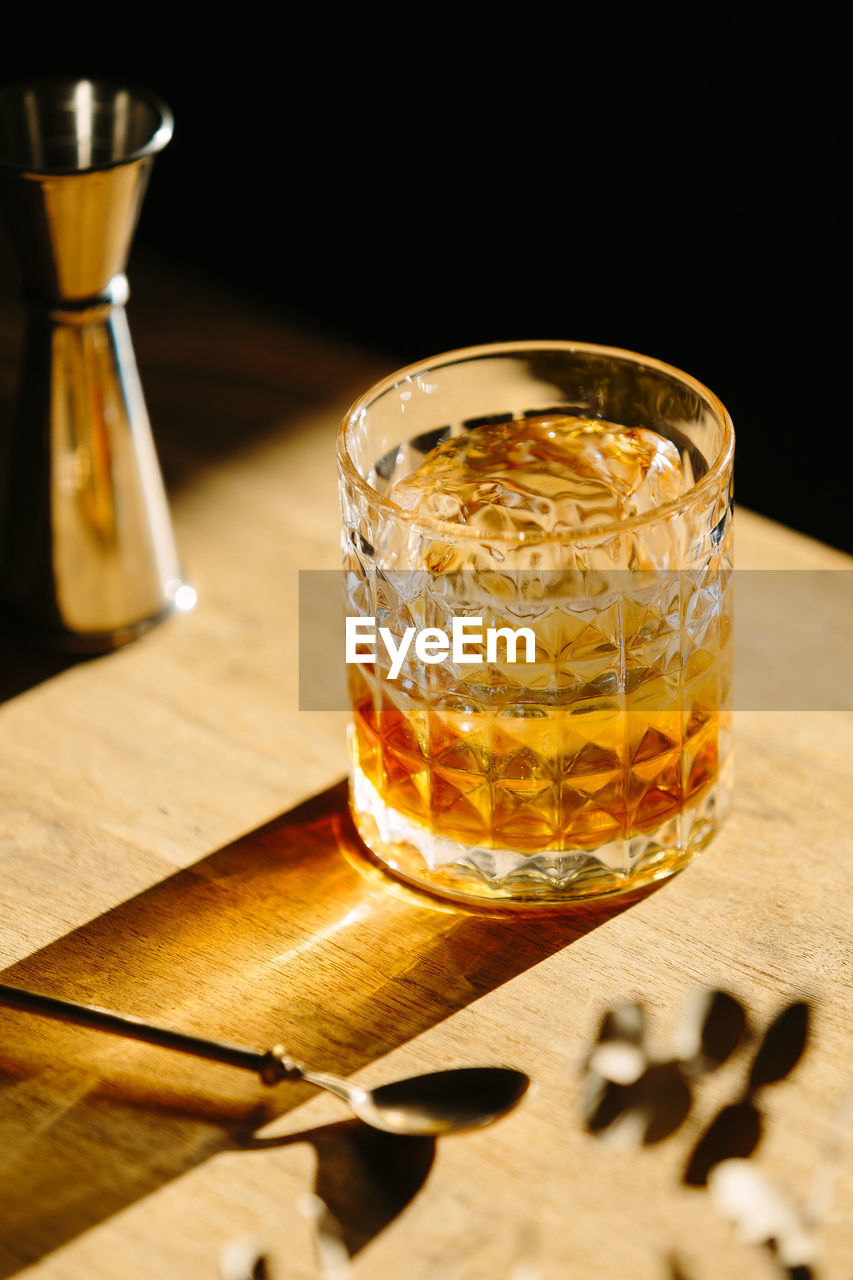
(508, 876)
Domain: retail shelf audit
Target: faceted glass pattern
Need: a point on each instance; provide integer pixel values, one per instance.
(605, 763)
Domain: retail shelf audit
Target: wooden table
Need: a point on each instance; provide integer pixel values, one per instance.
(175, 844)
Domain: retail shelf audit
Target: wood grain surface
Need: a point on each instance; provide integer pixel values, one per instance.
(175, 844)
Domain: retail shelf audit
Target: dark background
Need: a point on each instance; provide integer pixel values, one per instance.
(660, 177)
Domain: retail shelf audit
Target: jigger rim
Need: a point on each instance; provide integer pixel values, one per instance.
(102, 86)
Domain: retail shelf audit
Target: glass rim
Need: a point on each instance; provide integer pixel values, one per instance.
(708, 483)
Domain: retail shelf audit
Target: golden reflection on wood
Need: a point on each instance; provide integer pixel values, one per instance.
(236, 947)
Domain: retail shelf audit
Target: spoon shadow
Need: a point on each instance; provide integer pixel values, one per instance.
(365, 1177)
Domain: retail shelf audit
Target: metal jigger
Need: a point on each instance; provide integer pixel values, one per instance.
(87, 557)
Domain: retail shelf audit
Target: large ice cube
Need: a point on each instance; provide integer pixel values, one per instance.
(545, 474)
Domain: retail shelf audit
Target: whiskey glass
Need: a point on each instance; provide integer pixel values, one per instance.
(601, 762)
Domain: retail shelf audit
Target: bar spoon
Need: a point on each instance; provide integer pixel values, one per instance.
(427, 1105)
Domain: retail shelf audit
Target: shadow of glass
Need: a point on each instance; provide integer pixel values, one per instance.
(286, 935)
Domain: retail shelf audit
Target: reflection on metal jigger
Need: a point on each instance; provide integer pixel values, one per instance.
(87, 557)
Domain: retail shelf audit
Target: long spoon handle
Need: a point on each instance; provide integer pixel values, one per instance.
(271, 1065)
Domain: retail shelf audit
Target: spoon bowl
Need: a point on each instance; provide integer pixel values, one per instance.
(440, 1102)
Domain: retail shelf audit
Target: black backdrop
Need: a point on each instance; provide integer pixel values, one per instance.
(658, 177)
